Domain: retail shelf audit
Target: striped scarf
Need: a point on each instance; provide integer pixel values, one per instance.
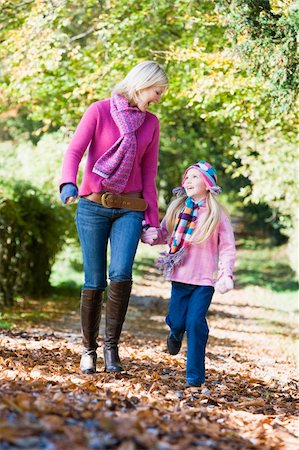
(181, 237)
(116, 164)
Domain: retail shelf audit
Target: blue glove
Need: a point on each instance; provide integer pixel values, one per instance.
(68, 190)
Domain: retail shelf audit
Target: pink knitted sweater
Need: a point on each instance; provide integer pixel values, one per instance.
(205, 262)
(98, 131)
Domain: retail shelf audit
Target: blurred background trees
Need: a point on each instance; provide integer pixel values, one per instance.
(233, 73)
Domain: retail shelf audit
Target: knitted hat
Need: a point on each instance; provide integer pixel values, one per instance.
(208, 174)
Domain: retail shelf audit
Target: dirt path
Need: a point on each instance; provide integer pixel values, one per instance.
(248, 401)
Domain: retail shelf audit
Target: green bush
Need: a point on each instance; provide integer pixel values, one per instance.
(32, 231)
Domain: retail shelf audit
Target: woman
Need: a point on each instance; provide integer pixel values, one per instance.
(117, 193)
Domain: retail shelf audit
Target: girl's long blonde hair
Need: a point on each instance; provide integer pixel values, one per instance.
(209, 225)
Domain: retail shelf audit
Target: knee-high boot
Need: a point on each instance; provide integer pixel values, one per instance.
(116, 308)
(90, 310)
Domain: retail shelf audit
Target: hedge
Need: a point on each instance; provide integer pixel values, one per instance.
(32, 230)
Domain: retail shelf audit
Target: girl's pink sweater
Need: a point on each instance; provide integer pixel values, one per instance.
(204, 263)
(98, 131)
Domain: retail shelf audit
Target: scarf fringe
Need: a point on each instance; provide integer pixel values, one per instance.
(167, 261)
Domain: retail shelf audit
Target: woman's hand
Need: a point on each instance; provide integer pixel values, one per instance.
(224, 284)
(69, 193)
(70, 200)
(149, 236)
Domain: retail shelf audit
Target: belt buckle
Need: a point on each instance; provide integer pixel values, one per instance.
(110, 200)
(104, 199)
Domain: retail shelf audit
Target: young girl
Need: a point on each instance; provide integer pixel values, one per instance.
(201, 240)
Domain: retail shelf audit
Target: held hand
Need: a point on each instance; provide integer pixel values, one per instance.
(224, 284)
(149, 236)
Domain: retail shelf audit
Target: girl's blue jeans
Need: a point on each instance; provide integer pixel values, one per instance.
(97, 225)
(188, 308)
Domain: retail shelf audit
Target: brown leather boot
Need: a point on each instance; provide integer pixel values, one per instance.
(90, 309)
(116, 308)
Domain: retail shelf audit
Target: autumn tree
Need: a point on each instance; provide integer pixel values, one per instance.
(232, 75)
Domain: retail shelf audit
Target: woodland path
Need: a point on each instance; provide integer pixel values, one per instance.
(248, 401)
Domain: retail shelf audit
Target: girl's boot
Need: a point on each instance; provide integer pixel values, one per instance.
(116, 308)
(90, 309)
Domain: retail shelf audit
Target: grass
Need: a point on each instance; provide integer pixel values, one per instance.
(67, 271)
(258, 264)
(267, 267)
(5, 324)
(28, 311)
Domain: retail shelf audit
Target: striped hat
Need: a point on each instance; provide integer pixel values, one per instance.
(208, 174)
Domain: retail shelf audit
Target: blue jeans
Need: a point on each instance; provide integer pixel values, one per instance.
(188, 308)
(96, 225)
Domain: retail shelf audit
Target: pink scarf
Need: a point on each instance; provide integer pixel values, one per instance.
(116, 164)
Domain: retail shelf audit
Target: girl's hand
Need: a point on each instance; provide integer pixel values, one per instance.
(224, 284)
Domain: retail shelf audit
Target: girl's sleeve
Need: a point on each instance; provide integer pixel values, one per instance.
(149, 167)
(226, 248)
(78, 145)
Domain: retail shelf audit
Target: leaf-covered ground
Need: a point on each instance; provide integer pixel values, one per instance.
(248, 401)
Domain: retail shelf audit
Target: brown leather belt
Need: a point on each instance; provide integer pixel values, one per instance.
(132, 200)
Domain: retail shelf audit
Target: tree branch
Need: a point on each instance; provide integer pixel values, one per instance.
(19, 5)
(82, 35)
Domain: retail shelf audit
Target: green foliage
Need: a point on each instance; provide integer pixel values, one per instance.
(63, 55)
(38, 164)
(267, 157)
(228, 63)
(32, 232)
(265, 34)
(67, 271)
(265, 146)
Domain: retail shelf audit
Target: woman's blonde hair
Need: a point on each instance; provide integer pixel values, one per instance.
(206, 229)
(142, 76)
